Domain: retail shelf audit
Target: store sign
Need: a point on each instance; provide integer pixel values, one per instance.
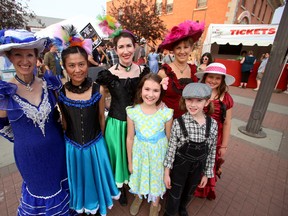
(256, 31)
(262, 35)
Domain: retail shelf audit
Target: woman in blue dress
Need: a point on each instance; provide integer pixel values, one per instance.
(91, 181)
(29, 118)
(153, 59)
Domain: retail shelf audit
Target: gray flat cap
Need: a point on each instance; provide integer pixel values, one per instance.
(197, 90)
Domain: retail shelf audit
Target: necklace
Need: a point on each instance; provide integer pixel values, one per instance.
(181, 71)
(84, 86)
(127, 68)
(28, 85)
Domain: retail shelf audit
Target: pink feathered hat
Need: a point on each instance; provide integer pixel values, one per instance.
(183, 30)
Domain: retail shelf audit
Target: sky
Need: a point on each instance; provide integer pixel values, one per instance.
(68, 8)
(277, 15)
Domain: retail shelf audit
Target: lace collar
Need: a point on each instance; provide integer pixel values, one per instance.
(39, 115)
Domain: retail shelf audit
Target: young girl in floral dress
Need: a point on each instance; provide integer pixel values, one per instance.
(148, 127)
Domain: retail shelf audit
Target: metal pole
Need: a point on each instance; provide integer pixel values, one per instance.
(272, 72)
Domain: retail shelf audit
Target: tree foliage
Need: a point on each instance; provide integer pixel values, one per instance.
(140, 17)
(15, 14)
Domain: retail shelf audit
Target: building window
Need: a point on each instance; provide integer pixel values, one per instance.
(201, 3)
(254, 6)
(169, 6)
(158, 7)
(243, 3)
(264, 12)
(260, 8)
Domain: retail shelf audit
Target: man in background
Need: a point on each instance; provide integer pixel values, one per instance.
(111, 54)
(261, 70)
(52, 60)
(140, 54)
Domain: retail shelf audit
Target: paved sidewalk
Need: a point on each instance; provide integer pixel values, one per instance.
(254, 179)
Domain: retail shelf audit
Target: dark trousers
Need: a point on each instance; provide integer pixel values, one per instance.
(185, 177)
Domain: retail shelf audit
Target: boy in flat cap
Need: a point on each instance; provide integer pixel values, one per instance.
(191, 153)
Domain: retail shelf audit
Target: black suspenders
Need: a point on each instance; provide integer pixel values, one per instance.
(185, 132)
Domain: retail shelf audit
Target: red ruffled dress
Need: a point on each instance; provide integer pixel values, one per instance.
(175, 87)
(209, 190)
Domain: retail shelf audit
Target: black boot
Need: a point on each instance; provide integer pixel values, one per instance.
(184, 204)
(123, 199)
(183, 212)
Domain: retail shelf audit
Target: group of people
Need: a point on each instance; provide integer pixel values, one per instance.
(164, 133)
(247, 62)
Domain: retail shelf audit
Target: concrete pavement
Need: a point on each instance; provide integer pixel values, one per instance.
(255, 172)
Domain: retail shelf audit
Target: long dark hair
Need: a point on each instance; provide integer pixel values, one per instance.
(149, 76)
(222, 88)
(209, 56)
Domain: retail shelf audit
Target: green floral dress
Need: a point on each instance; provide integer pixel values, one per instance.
(148, 152)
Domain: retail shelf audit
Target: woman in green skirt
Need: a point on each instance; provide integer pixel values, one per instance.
(121, 80)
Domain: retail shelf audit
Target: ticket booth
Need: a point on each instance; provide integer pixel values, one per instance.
(226, 41)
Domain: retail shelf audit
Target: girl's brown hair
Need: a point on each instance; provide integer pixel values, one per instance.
(222, 88)
(210, 107)
(150, 76)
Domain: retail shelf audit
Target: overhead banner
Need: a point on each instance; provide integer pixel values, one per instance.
(235, 34)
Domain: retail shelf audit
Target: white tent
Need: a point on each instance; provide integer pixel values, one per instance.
(235, 34)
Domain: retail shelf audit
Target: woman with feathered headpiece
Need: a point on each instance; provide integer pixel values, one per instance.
(81, 101)
(121, 80)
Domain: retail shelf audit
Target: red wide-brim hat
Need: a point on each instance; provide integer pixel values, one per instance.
(185, 29)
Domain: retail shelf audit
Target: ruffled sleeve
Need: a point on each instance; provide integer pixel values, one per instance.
(53, 82)
(130, 112)
(168, 71)
(6, 129)
(228, 100)
(7, 90)
(168, 113)
(105, 77)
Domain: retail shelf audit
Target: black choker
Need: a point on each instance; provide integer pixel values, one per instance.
(127, 68)
(84, 86)
(28, 85)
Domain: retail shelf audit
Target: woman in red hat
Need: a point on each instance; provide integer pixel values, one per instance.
(180, 40)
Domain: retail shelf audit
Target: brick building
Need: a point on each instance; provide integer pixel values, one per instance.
(172, 12)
